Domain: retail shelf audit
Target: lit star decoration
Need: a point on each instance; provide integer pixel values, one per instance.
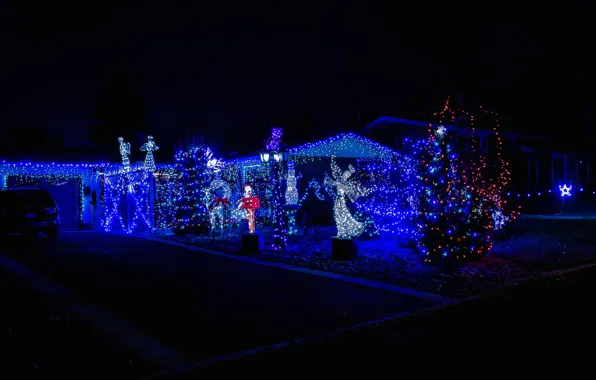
(149, 147)
(565, 190)
(441, 131)
(124, 153)
(347, 226)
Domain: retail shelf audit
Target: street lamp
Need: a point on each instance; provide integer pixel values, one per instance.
(265, 158)
(275, 157)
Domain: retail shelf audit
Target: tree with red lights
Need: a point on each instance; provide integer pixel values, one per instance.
(462, 205)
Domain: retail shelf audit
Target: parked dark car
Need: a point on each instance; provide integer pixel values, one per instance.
(28, 211)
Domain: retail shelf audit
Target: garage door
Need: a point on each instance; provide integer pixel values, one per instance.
(65, 195)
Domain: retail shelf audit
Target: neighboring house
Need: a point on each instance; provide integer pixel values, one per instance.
(539, 163)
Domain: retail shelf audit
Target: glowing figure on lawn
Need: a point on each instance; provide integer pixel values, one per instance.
(499, 219)
(291, 190)
(149, 147)
(347, 226)
(250, 203)
(565, 190)
(217, 205)
(124, 153)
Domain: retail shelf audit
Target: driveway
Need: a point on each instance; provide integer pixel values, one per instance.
(202, 305)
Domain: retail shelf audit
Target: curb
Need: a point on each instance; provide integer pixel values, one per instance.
(437, 298)
(292, 342)
(330, 334)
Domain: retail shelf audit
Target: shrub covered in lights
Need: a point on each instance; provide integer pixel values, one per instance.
(389, 206)
(194, 177)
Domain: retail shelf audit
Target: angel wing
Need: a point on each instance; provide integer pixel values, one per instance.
(336, 171)
(328, 180)
(354, 191)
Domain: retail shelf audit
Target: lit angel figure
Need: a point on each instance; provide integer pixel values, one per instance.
(149, 147)
(124, 153)
(347, 226)
(250, 203)
(291, 189)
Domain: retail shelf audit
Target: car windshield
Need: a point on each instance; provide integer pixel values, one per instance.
(39, 198)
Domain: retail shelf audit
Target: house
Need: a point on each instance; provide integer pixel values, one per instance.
(311, 162)
(540, 162)
(71, 185)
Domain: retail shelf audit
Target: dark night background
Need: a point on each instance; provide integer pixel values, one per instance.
(76, 75)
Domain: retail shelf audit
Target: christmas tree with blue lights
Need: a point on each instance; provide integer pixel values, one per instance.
(194, 177)
(444, 203)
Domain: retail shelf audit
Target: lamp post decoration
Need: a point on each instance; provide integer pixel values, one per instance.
(273, 158)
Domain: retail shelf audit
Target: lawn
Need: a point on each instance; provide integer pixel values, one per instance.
(535, 245)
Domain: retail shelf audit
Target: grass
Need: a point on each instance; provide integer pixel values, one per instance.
(533, 246)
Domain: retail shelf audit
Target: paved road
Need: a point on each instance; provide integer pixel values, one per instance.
(199, 304)
(543, 328)
(42, 336)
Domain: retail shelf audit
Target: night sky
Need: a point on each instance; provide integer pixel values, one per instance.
(229, 72)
